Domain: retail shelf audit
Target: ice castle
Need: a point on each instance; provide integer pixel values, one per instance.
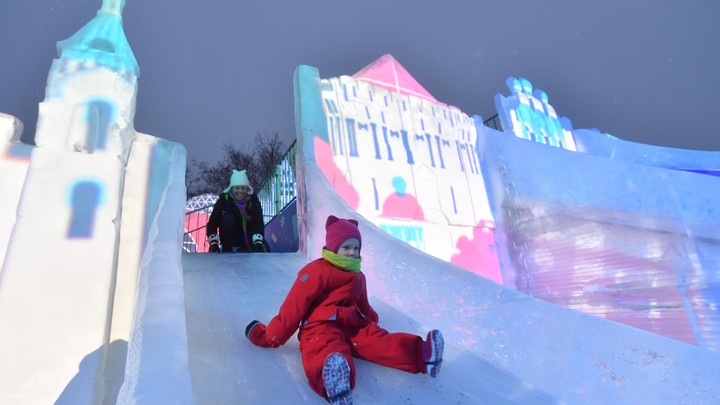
(91, 290)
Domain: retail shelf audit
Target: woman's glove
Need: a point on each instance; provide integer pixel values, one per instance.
(257, 243)
(214, 243)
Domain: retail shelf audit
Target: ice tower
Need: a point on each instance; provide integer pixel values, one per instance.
(74, 233)
(102, 113)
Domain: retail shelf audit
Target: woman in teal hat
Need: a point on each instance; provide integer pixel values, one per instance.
(239, 217)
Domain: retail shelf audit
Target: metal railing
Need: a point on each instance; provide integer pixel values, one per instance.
(493, 122)
(195, 224)
(278, 191)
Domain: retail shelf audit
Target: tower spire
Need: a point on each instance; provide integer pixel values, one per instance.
(113, 7)
(102, 40)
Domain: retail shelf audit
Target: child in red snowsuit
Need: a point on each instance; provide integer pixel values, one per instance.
(329, 303)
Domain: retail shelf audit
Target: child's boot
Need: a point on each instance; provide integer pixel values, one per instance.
(432, 352)
(336, 377)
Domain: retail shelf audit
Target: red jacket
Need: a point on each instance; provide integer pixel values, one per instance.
(321, 292)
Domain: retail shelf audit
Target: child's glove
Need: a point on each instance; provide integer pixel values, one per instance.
(255, 332)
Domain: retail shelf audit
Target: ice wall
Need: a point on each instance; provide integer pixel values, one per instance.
(553, 354)
(14, 162)
(606, 227)
(407, 164)
(157, 356)
(592, 141)
(621, 240)
(568, 218)
(527, 113)
(69, 277)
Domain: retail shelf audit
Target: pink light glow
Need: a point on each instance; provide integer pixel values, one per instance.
(388, 73)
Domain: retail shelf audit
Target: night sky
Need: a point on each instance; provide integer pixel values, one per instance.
(221, 71)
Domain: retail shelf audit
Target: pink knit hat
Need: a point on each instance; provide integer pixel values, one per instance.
(339, 230)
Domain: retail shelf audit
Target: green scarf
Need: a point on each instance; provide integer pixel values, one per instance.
(343, 262)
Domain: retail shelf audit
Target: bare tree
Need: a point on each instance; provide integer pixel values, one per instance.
(267, 151)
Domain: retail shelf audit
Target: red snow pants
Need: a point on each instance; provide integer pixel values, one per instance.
(363, 339)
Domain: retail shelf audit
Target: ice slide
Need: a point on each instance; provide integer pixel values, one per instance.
(502, 346)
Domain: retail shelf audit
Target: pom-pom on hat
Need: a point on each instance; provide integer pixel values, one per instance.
(239, 178)
(338, 230)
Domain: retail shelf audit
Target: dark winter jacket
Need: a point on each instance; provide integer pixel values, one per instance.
(235, 228)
